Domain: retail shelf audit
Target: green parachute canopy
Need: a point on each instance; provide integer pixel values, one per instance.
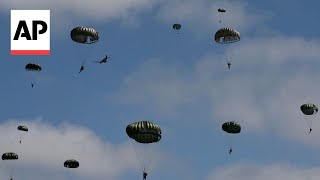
(144, 132)
(71, 163)
(221, 10)
(33, 67)
(22, 128)
(176, 26)
(84, 35)
(227, 35)
(309, 109)
(9, 156)
(231, 127)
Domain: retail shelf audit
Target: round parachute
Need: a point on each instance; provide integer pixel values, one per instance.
(33, 67)
(22, 128)
(71, 163)
(9, 156)
(221, 10)
(227, 35)
(144, 132)
(309, 109)
(176, 26)
(84, 35)
(231, 127)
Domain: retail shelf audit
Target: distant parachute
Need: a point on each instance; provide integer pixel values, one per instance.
(231, 127)
(22, 128)
(71, 163)
(9, 156)
(176, 27)
(33, 67)
(144, 132)
(226, 36)
(308, 110)
(221, 10)
(84, 35)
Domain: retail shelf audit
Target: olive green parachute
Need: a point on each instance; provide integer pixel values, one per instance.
(84, 35)
(9, 156)
(309, 109)
(221, 10)
(176, 26)
(33, 67)
(231, 127)
(144, 132)
(71, 163)
(23, 128)
(227, 35)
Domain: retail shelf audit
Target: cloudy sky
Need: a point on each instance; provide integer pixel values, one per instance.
(179, 81)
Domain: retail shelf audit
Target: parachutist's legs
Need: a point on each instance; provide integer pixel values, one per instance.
(145, 175)
(228, 63)
(81, 69)
(230, 151)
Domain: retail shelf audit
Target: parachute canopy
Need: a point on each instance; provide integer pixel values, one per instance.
(144, 132)
(71, 163)
(221, 10)
(231, 127)
(9, 156)
(176, 26)
(33, 67)
(227, 35)
(22, 128)
(84, 35)
(309, 109)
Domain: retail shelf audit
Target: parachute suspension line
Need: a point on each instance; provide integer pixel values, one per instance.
(309, 122)
(11, 172)
(148, 165)
(138, 156)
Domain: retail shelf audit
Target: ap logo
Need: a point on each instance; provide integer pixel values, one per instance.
(30, 32)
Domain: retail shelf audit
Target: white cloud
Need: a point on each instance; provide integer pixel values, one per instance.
(264, 172)
(45, 147)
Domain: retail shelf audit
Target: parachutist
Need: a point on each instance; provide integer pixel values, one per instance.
(104, 60)
(81, 68)
(310, 130)
(145, 175)
(20, 142)
(230, 151)
(229, 63)
(32, 84)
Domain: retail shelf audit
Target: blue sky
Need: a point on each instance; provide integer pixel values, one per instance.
(180, 82)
